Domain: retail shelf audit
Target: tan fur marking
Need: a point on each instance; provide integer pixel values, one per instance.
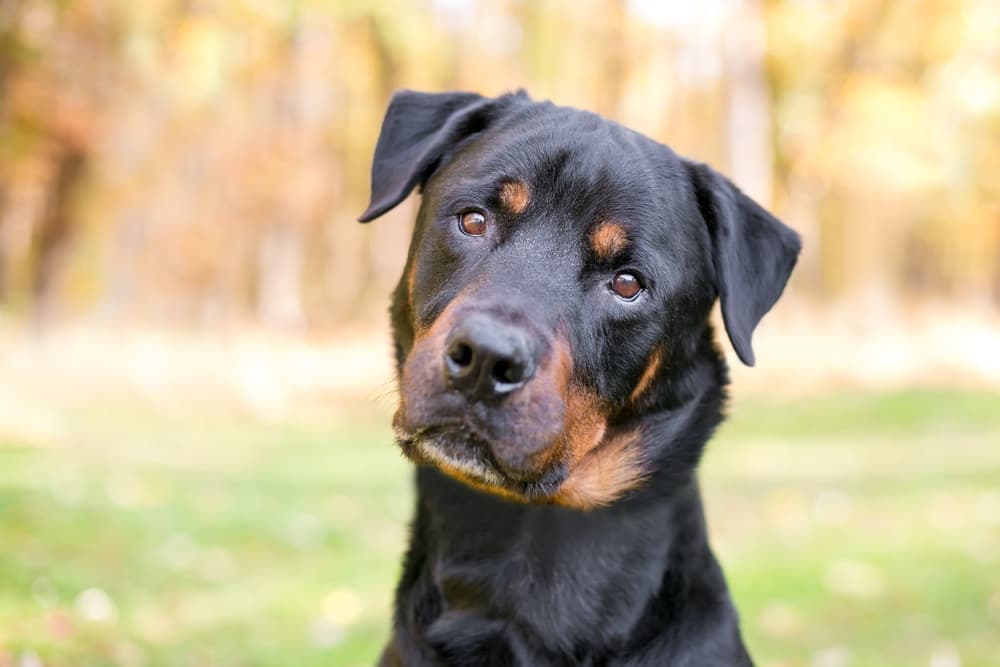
(515, 196)
(608, 239)
(551, 382)
(455, 473)
(411, 281)
(605, 473)
(428, 346)
(601, 468)
(584, 425)
(647, 376)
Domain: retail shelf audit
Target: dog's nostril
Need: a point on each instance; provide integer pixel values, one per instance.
(508, 372)
(461, 354)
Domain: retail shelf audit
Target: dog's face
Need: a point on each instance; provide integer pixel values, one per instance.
(560, 275)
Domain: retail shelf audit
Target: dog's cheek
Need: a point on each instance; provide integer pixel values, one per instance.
(653, 365)
(605, 473)
(417, 384)
(601, 467)
(422, 377)
(527, 431)
(584, 426)
(531, 423)
(555, 420)
(401, 318)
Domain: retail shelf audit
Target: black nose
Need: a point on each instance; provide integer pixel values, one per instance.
(487, 359)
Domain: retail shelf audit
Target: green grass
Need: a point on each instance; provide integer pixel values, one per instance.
(857, 530)
(865, 529)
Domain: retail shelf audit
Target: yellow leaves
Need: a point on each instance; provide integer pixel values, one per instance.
(886, 138)
(198, 59)
(206, 126)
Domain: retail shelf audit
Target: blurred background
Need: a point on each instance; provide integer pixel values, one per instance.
(195, 389)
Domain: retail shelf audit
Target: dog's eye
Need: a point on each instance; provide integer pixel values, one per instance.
(626, 285)
(472, 223)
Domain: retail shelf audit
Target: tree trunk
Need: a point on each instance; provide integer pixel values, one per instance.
(54, 231)
(751, 153)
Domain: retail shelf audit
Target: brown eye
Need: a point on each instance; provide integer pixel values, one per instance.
(472, 223)
(626, 285)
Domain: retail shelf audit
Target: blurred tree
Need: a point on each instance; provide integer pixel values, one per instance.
(204, 161)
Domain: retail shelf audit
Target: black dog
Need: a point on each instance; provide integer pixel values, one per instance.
(559, 379)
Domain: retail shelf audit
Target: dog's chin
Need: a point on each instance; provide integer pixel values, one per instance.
(464, 456)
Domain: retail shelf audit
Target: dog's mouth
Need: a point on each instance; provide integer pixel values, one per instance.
(457, 449)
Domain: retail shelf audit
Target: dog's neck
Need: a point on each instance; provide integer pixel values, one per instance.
(586, 579)
(490, 579)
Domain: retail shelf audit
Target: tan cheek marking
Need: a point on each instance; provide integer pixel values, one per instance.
(515, 196)
(411, 281)
(608, 239)
(584, 425)
(547, 388)
(601, 468)
(647, 376)
(583, 422)
(607, 472)
(418, 377)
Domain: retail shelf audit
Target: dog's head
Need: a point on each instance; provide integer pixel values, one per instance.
(560, 276)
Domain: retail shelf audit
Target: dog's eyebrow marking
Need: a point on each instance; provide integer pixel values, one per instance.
(608, 239)
(515, 196)
(652, 366)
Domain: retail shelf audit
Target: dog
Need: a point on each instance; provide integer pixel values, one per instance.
(559, 378)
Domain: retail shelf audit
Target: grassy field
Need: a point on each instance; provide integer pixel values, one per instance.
(855, 530)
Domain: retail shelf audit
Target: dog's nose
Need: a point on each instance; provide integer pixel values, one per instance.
(486, 359)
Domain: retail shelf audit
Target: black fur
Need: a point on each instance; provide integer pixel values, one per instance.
(489, 581)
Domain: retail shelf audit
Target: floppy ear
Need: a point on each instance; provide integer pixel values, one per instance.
(754, 254)
(418, 130)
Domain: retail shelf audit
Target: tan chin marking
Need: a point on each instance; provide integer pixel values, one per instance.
(604, 474)
(471, 469)
(468, 472)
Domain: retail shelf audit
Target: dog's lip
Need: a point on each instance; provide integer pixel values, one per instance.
(427, 445)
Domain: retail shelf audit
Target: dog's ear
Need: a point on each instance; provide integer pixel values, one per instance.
(754, 254)
(417, 132)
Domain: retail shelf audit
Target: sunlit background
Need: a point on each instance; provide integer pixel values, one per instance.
(195, 462)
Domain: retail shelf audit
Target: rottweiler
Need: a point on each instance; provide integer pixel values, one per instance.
(559, 378)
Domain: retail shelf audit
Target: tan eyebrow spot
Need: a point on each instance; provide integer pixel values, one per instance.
(608, 239)
(515, 196)
(647, 376)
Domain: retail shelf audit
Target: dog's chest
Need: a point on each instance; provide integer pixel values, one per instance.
(552, 586)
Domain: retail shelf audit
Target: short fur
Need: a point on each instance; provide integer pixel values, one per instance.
(561, 523)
